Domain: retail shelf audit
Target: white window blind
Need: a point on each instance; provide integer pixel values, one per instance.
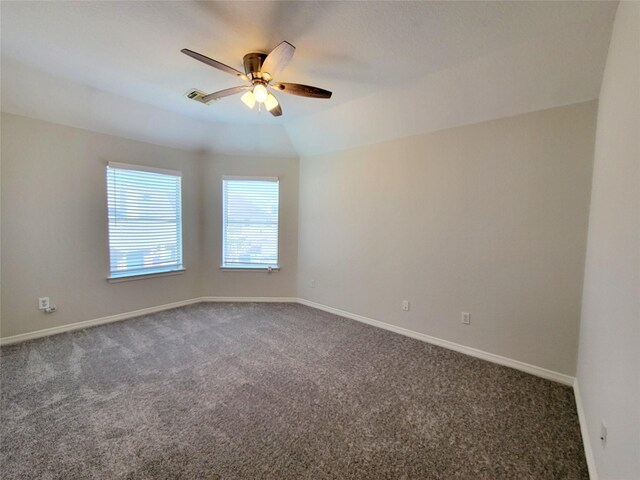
(145, 220)
(250, 222)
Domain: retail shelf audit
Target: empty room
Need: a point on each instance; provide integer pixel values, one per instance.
(293, 240)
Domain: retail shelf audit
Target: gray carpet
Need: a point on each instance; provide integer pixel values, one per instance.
(273, 391)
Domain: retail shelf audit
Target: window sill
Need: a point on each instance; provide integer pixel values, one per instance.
(145, 275)
(244, 268)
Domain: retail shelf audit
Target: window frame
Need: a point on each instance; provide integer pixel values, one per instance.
(157, 271)
(247, 267)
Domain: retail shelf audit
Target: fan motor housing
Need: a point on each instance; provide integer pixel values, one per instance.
(253, 63)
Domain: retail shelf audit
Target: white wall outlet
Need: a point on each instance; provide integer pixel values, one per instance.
(466, 318)
(312, 283)
(603, 433)
(43, 303)
(405, 305)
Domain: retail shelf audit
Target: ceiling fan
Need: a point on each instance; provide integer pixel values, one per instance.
(260, 70)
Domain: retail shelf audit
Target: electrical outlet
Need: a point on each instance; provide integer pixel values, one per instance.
(466, 318)
(43, 303)
(405, 305)
(603, 433)
(312, 283)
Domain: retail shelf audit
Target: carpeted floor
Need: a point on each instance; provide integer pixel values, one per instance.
(273, 391)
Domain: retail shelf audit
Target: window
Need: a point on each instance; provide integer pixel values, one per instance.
(145, 220)
(250, 222)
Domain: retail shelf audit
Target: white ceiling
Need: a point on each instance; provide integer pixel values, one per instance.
(395, 68)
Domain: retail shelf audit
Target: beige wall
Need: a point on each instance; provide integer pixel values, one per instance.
(489, 219)
(609, 355)
(54, 225)
(249, 284)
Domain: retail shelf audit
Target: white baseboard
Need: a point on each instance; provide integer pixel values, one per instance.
(250, 299)
(525, 367)
(92, 323)
(586, 439)
(474, 352)
(136, 313)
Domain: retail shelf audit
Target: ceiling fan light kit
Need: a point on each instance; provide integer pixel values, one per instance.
(260, 70)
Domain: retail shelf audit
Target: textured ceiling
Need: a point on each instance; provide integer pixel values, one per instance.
(396, 68)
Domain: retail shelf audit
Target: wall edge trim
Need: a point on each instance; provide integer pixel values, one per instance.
(250, 299)
(586, 439)
(46, 332)
(474, 352)
(69, 327)
(491, 357)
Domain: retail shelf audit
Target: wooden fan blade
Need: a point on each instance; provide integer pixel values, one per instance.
(278, 59)
(214, 63)
(277, 111)
(302, 90)
(225, 93)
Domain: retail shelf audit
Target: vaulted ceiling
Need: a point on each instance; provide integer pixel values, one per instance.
(395, 68)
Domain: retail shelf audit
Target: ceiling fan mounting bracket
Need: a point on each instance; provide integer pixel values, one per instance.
(198, 96)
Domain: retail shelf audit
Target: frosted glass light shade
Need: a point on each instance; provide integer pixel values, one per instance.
(270, 102)
(248, 99)
(260, 93)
